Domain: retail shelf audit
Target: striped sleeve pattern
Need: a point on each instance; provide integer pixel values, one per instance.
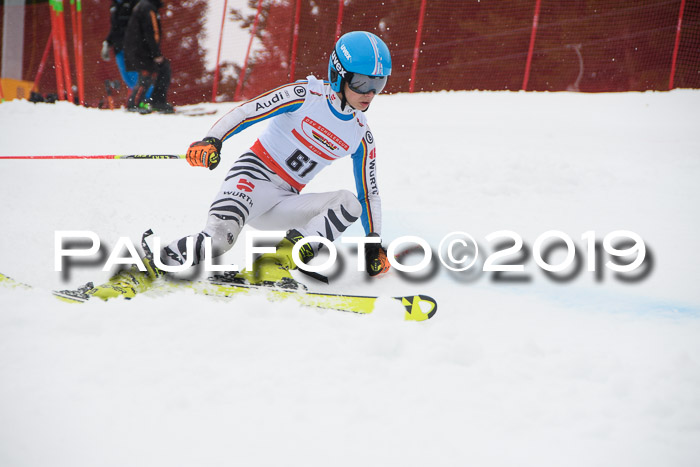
(274, 102)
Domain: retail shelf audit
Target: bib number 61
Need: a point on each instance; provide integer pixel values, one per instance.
(300, 163)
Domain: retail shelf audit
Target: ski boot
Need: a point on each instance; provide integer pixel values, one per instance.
(162, 107)
(272, 269)
(128, 282)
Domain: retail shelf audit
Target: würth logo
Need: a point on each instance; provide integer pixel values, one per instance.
(245, 185)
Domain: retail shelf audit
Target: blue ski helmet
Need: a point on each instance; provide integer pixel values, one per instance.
(359, 53)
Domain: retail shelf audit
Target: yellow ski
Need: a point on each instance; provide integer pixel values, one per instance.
(128, 284)
(417, 307)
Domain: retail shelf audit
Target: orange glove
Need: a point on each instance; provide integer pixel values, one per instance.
(205, 153)
(376, 261)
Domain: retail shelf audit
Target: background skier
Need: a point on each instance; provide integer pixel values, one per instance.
(119, 14)
(142, 53)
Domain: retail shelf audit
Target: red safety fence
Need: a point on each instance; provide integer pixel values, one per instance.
(537, 45)
(182, 21)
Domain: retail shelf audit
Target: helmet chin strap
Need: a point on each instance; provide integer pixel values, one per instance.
(343, 99)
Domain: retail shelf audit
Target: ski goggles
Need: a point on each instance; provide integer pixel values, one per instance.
(364, 84)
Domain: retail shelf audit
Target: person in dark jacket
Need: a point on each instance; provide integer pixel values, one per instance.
(119, 14)
(142, 53)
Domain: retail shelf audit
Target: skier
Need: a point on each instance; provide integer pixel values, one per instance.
(142, 54)
(312, 123)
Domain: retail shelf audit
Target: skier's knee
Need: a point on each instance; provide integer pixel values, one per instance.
(223, 234)
(348, 204)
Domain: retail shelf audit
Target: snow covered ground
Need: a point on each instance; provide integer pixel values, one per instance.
(593, 370)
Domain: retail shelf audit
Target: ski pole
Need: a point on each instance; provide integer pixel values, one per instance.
(106, 156)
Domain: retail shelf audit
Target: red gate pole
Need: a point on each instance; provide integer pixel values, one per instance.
(215, 89)
(61, 21)
(339, 21)
(58, 61)
(239, 86)
(416, 47)
(535, 21)
(74, 27)
(80, 51)
(77, 23)
(676, 45)
(42, 64)
(295, 41)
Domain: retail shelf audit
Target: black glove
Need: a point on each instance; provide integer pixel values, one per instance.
(376, 261)
(205, 153)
